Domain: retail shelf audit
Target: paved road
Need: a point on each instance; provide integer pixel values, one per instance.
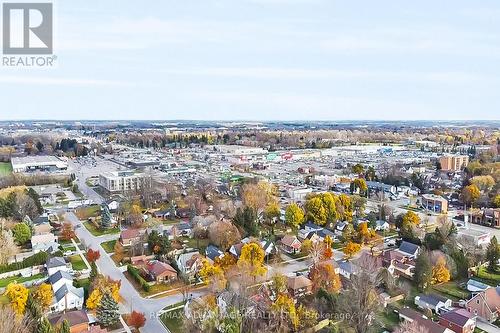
(133, 300)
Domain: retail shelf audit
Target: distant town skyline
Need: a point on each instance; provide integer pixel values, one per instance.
(265, 60)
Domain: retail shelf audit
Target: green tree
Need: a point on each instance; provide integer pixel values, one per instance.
(358, 169)
(64, 327)
(423, 271)
(44, 326)
(493, 254)
(294, 216)
(93, 271)
(22, 233)
(107, 311)
(105, 218)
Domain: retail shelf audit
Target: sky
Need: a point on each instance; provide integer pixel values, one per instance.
(264, 60)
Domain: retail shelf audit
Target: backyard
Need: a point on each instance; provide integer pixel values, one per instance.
(99, 232)
(19, 279)
(173, 320)
(488, 277)
(77, 263)
(84, 213)
(109, 246)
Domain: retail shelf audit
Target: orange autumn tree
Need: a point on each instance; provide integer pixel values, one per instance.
(93, 255)
(323, 276)
(213, 275)
(67, 231)
(136, 319)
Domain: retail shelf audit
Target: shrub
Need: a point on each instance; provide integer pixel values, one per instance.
(134, 272)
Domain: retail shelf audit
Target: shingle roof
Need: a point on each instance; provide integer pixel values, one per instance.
(408, 247)
(432, 299)
(65, 289)
(74, 317)
(56, 262)
(60, 275)
(213, 252)
(458, 316)
(298, 282)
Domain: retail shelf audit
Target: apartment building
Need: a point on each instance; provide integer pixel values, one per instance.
(453, 162)
(119, 181)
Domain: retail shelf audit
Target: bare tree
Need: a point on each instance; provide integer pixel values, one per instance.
(410, 327)
(12, 323)
(8, 247)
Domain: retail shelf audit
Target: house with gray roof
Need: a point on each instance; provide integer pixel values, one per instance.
(66, 298)
(433, 302)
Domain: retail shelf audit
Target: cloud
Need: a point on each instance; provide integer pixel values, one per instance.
(451, 77)
(59, 81)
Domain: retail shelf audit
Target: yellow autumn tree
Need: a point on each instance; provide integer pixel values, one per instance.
(350, 249)
(213, 275)
(252, 260)
(440, 272)
(43, 295)
(100, 286)
(328, 241)
(306, 246)
(18, 296)
(411, 218)
(284, 307)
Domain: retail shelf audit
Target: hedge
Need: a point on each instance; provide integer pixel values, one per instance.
(39, 258)
(134, 272)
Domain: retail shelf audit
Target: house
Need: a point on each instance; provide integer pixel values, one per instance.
(432, 302)
(113, 205)
(163, 214)
(485, 304)
(189, 263)
(487, 216)
(77, 319)
(340, 227)
(268, 247)
(130, 236)
(182, 229)
(160, 271)
(377, 186)
(290, 244)
(212, 252)
(381, 225)
(458, 320)
(409, 249)
(183, 213)
(347, 268)
(398, 263)
(309, 226)
(325, 232)
(44, 243)
(298, 286)
(424, 323)
(475, 286)
(60, 278)
(57, 264)
(41, 229)
(66, 298)
(235, 249)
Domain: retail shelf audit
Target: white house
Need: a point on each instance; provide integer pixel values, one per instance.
(59, 279)
(67, 297)
(189, 263)
(57, 264)
(381, 225)
(44, 243)
(432, 302)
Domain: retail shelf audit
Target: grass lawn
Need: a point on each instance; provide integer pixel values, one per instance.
(174, 320)
(5, 168)
(84, 213)
(488, 277)
(451, 290)
(85, 283)
(337, 245)
(69, 248)
(388, 319)
(195, 242)
(109, 246)
(155, 288)
(98, 232)
(77, 263)
(19, 279)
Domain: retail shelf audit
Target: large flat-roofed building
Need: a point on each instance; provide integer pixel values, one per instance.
(38, 163)
(435, 203)
(118, 181)
(453, 162)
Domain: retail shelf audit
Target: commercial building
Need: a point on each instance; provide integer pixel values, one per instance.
(118, 181)
(453, 162)
(435, 203)
(38, 163)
